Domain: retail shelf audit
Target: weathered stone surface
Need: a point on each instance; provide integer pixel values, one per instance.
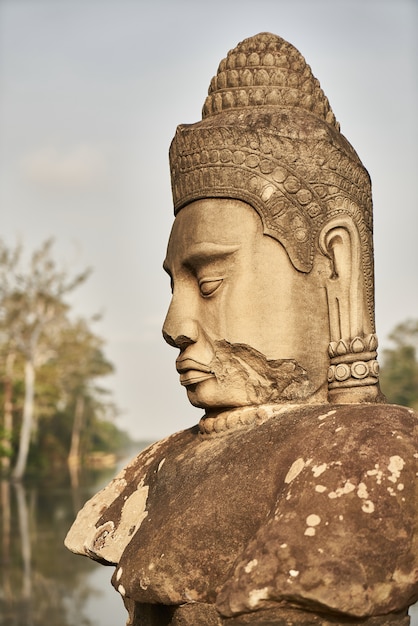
(289, 617)
(325, 522)
(184, 615)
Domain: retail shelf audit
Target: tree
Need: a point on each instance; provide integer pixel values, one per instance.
(32, 312)
(81, 361)
(50, 363)
(399, 375)
(9, 261)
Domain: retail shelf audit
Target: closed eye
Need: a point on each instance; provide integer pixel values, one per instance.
(208, 286)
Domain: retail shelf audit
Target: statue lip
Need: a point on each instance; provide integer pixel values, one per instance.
(192, 372)
(184, 365)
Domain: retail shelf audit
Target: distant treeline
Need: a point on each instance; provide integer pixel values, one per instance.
(52, 405)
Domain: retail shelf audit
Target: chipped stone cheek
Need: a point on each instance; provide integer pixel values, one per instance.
(161, 464)
(256, 595)
(119, 574)
(320, 488)
(121, 590)
(294, 573)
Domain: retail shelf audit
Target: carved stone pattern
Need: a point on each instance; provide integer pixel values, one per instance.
(357, 373)
(231, 420)
(353, 362)
(266, 71)
(238, 418)
(344, 349)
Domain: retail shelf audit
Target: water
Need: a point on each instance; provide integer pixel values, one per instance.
(41, 582)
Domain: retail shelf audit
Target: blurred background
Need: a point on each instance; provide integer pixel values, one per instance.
(91, 92)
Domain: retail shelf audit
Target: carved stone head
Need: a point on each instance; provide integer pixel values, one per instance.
(270, 255)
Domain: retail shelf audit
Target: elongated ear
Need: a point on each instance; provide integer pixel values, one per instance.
(339, 240)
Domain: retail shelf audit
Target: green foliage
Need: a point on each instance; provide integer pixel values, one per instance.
(399, 375)
(5, 442)
(59, 404)
(108, 438)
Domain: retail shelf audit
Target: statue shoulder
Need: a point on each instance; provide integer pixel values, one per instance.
(108, 521)
(343, 533)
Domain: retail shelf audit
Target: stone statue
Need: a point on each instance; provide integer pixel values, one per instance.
(293, 501)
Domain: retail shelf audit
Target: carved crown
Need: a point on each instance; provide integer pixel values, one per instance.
(266, 70)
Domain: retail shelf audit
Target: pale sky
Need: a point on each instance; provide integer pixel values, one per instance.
(91, 92)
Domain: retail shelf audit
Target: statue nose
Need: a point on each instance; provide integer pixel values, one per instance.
(181, 341)
(179, 330)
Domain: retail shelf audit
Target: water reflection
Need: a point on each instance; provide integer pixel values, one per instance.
(41, 582)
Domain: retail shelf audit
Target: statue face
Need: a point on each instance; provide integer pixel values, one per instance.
(250, 328)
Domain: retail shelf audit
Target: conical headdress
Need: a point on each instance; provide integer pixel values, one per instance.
(269, 137)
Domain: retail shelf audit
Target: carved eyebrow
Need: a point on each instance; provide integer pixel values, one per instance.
(203, 252)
